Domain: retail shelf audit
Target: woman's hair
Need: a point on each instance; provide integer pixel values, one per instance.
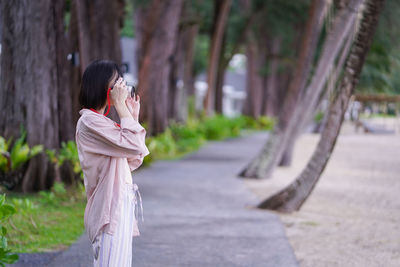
(95, 80)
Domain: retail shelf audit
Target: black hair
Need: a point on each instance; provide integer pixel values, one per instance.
(95, 80)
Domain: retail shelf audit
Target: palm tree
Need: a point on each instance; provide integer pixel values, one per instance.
(293, 196)
(299, 103)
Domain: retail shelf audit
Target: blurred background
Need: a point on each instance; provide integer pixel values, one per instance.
(305, 72)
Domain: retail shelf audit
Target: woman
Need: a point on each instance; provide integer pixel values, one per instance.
(108, 153)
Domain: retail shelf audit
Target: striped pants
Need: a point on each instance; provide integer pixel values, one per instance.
(116, 250)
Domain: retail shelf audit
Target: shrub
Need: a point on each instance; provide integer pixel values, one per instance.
(6, 211)
(187, 137)
(13, 161)
(265, 122)
(68, 153)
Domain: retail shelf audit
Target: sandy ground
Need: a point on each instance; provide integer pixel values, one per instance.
(352, 217)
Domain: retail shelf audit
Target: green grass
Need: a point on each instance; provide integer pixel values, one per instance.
(50, 224)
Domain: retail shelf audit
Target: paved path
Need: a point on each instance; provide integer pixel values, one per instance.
(198, 213)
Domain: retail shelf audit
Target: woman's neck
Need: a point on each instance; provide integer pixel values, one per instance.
(101, 111)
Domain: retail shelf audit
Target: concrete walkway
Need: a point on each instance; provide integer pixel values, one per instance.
(198, 213)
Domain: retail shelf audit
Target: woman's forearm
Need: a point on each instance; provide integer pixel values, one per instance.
(122, 110)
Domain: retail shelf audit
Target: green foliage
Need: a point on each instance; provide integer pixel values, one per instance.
(201, 48)
(162, 146)
(188, 137)
(219, 127)
(47, 197)
(53, 196)
(68, 152)
(375, 76)
(19, 154)
(283, 19)
(128, 30)
(42, 219)
(6, 211)
(381, 71)
(318, 117)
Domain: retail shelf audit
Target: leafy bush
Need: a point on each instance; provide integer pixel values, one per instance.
(13, 161)
(68, 152)
(187, 137)
(265, 123)
(6, 211)
(19, 154)
(217, 127)
(163, 145)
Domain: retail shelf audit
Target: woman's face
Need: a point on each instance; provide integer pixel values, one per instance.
(114, 78)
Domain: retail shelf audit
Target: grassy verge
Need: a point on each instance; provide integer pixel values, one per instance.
(46, 221)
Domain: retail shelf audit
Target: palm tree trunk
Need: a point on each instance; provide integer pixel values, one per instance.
(293, 196)
(263, 164)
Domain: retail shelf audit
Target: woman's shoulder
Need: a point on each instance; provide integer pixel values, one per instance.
(92, 120)
(89, 117)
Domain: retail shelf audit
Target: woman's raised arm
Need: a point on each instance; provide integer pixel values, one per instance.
(103, 137)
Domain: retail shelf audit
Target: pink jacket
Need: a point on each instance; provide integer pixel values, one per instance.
(106, 151)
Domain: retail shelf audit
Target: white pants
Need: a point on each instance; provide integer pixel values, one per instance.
(116, 250)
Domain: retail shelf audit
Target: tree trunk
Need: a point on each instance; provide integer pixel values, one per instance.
(287, 128)
(318, 12)
(220, 19)
(157, 32)
(271, 88)
(189, 48)
(219, 83)
(29, 81)
(254, 81)
(65, 90)
(293, 196)
(75, 73)
(99, 23)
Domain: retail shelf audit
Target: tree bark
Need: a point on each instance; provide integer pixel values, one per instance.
(220, 77)
(65, 90)
(293, 196)
(158, 32)
(271, 154)
(220, 20)
(254, 80)
(99, 23)
(318, 11)
(271, 88)
(29, 81)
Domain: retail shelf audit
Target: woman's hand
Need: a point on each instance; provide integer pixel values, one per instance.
(133, 105)
(119, 93)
